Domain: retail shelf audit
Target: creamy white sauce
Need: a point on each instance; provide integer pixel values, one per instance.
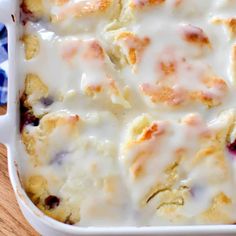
(87, 16)
(65, 65)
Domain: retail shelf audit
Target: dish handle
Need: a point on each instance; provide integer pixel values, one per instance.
(5, 131)
(6, 11)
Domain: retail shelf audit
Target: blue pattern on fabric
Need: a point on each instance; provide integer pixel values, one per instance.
(3, 59)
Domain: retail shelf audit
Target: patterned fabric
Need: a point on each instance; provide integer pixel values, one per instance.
(3, 64)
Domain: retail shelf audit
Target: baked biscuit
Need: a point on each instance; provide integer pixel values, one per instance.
(70, 16)
(163, 71)
(60, 209)
(76, 58)
(110, 61)
(223, 14)
(31, 44)
(228, 23)
(35, 89)
(70, 175)
(131, 46)
(137, 10)
(36, 96)
(38, 142)
(140, 4)
(92, 53)
(34, 8)
(182, 177)
(132, 9)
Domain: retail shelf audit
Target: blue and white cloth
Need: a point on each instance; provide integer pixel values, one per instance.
(3, 64)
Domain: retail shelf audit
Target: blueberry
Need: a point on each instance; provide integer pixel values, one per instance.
(196, 191)
(52, 202)
(58, 158)
(26, 115)
(47, 101)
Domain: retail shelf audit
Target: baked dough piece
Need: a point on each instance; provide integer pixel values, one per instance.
(224, 15)
(35, 89)
(228, 23)
(167, 167)
(136, 10)
(77, 182)
(102, 79)
(170, 73)
(36, 97)
(61, 210)
(131, 9)
(33, 7)
(71, 16)
(31, 46)
(37, 141)
(143, 49)
(69, 60)
(144, 3)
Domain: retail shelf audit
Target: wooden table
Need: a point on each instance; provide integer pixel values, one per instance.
(12, 222)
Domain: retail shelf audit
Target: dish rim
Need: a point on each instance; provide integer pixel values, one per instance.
(10, 17)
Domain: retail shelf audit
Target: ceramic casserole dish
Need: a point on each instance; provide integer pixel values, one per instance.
(10, 132)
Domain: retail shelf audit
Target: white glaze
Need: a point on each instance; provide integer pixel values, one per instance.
(67, 80)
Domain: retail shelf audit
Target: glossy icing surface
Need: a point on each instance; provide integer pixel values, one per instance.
(128, 111)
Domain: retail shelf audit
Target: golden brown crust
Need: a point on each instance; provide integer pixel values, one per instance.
(161, 94)
(33, 6)
(140, 4)
(37, 189)
(217, 212)
(37, 142)
(32, 46)
(164, 94)
(79, 10)
(195, 35)
(34, 10)
(135, 45)
(229, 23)
(167, 195)
(35, 89)
(60, 2)
(94, 51)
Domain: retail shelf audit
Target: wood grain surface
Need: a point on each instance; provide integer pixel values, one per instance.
(12, 222)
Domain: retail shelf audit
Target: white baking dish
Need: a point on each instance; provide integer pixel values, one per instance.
(9, 134)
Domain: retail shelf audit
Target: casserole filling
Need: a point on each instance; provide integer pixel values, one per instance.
(127, 111)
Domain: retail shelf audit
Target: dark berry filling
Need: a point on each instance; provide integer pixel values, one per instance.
(58, 158)
(26, 15)
(196, 191)
(47, 101)
(52, 202)
(26, 115)
(232, 147)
